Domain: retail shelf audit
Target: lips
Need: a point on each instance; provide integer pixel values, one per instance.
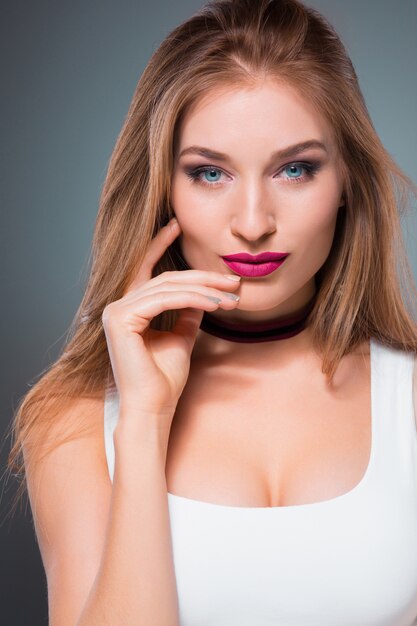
(263, 257)
(254, 270)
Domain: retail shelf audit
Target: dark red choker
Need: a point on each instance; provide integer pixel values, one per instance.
(252, 332)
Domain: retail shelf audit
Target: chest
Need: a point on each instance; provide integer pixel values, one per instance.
(276, 436)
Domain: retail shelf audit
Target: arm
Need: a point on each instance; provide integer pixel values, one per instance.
(106, 549)
(136, 584)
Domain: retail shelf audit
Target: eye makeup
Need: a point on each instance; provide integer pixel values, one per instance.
(310, 170)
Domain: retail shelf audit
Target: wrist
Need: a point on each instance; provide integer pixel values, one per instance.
(140, 431)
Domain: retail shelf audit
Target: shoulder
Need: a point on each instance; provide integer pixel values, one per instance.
(64, 427)
(71, 444)
(68, 466)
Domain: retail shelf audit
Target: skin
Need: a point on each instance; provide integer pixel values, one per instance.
(267, 406)
(249, 203)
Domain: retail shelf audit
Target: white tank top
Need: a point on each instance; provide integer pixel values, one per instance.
(347, 561)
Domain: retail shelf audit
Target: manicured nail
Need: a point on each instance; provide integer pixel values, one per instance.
(232, 277)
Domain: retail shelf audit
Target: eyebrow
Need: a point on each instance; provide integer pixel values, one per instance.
(284, 153)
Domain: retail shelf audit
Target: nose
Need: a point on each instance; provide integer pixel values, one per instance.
(253, 219)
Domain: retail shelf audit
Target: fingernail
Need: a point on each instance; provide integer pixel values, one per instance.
(231, 296)
(232, 277)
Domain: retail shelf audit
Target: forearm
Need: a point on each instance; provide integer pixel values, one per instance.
(136, 584)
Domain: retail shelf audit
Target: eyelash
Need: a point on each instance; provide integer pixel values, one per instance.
(311, 169)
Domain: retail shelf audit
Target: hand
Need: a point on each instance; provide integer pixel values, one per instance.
(151, 367)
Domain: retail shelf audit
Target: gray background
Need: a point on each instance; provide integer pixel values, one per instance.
(69, 72)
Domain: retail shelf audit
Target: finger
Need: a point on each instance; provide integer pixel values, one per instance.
(159, 244)
(150, 306)
(228, 300)
(197, 279)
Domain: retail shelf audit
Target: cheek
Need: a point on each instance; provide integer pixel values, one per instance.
(313, 235)
(198, 227)
(183, 203)
(195, 214)
(316, 211)
(321, 220)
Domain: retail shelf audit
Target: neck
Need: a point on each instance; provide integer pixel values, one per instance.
(277, 329)
(250, 354)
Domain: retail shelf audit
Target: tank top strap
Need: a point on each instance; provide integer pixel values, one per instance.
(394, 426)
(111, 414)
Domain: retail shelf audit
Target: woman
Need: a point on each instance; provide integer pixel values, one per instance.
(280, 421)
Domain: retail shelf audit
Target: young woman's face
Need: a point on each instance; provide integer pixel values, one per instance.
(251, 200)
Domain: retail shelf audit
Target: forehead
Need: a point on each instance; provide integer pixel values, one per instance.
(270, 112)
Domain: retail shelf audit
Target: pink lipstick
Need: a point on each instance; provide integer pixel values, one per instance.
(252, 266)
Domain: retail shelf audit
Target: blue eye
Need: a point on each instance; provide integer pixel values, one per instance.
(293, 174)
(210, 173)
(196, 174)
(301, 172)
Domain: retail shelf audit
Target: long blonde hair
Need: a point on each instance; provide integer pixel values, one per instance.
(364, 289)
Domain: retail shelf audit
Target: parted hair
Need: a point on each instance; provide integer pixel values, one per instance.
(365, 287)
